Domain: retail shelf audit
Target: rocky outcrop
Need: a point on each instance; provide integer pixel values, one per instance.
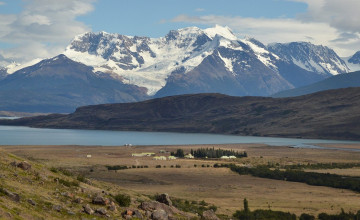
(209, 215)
(164, 198)
(88, 210)
(99, 200)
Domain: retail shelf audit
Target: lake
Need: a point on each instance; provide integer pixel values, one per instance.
(14, 135)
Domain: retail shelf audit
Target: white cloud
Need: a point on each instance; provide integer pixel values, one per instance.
(2, 3)
(328, 22)
(43, 28)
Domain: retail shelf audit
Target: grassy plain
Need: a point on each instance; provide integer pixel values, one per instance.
(218, 186)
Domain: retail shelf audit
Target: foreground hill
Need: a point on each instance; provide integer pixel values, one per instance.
(335, 82)
(332, 114)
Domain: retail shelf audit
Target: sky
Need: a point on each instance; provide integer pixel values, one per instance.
(32, 29)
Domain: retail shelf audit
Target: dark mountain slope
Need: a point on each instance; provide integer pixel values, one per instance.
(332, 114)
(61, 85)
(335, 82)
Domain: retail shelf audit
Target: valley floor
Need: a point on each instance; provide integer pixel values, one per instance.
(197, 180)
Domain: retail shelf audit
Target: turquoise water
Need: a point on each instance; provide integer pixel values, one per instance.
(13, 135)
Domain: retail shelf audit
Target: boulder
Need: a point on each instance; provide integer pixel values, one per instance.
(209, 215)
(13, 196)
(57, 208)
(153, 205)
(99, 200)
(32, 202)
(164, 198)
(137, 214)
(78, 200)
(88, 209)
(24, 165)
(160, 215)
(101, 211)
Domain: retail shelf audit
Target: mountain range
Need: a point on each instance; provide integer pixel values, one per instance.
(331, 114)
(106, 68)
(335, 82)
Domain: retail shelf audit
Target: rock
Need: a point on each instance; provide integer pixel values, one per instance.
(164, 198)
(78, 200)
(101, 211)
(137, 214)
(71, 212)
(112, 208)
(153, 205)
(88, 209)
(57, 208)
(14, 164)
(32, 202)
(67, 194)
(209, 215)
(99, 200)
(159, 215)
(24, 165)
(13, 196)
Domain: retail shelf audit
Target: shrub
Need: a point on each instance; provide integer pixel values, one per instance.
(81, 178)
(305, 216)
(178, 166)
(123, 200)
(117, 167)
(158, 166)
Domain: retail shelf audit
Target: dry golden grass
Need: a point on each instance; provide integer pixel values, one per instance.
(218, 186)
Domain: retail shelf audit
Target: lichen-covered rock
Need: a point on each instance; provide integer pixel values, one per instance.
(88, 209)
(137, 214)
(209, 215)
(57, 208)
(78, 200)
(32, 202)
(160, 215)
(101, 211)
(99, 200)
(13, 196)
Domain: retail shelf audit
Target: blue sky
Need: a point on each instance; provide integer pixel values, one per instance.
(43, 28)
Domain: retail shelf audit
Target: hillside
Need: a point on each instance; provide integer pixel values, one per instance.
(31, 190)
(335, 82)
(332, 114)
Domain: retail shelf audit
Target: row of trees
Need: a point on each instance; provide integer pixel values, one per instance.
(260, 214)
(316, 166)
(311, 178)
(216, 153)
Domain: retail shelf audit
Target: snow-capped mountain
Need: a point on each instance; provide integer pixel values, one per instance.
(177, 61)
(61, 85)
(353, 62)
(103, 68)
(314, 58)
(355, 59)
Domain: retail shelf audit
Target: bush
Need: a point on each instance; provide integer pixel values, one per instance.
(117, 167)
(158, 166)
(305, 216)
(123, 200)
(81, 179)
(178, 166)
(67, 183)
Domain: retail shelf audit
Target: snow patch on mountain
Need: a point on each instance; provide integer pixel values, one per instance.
(221, 31)
(313, 58)
(13, 67)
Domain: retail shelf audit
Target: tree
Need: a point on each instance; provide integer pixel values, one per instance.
(179, 153)
(246, 205)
